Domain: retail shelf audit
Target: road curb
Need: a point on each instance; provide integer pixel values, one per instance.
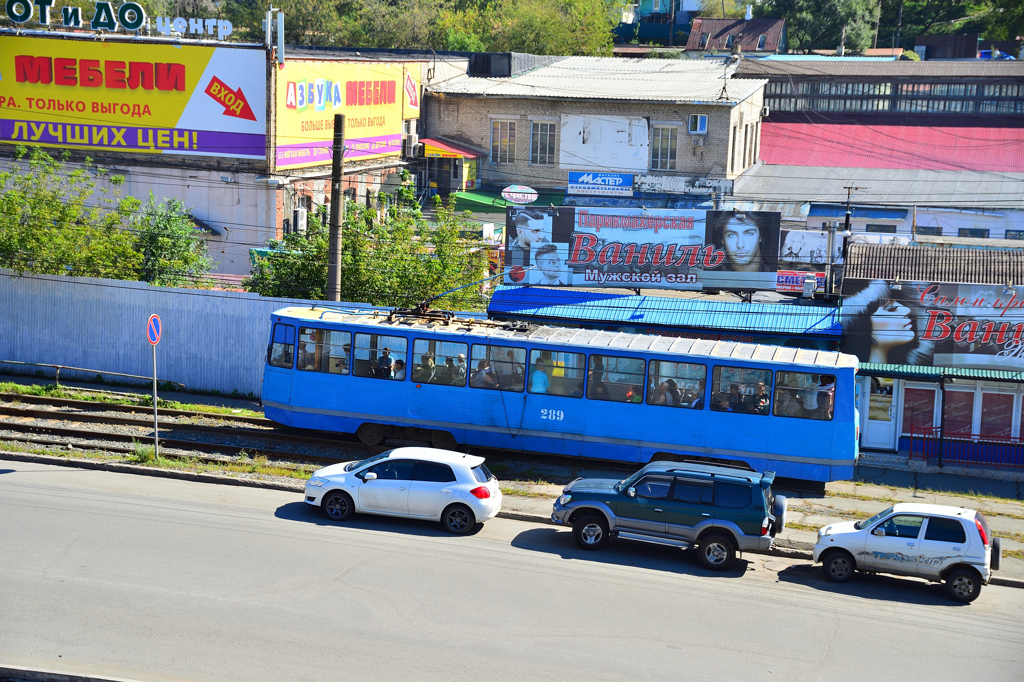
(18, 673)
(117, 467)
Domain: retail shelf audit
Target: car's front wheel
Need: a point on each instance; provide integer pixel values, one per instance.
(716, 552)
(338, 506)
(963, 585)
(838, 566)
(590, 532)
(458, 519)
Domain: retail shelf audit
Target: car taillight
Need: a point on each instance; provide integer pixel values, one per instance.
(981, 530)
(764, 526)
(481, 493)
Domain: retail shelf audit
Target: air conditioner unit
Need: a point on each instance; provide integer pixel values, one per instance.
(697, 141)
(299, 220)
(764, 112)
(409, 144)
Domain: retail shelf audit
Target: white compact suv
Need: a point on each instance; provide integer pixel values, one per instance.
(423, 483)
(929, 541)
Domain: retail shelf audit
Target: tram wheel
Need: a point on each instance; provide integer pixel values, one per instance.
(442, 440)
(370, 434)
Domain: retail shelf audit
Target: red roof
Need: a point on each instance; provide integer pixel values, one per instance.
(719, 30)
(893, 146)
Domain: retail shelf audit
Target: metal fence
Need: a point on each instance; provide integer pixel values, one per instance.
(929, 444)
(212, 340)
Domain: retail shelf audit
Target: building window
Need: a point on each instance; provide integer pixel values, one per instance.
(729, 41)
(886, 229)
(542, 144)
(503, 141)
(663, 148)
(703, 41)
(973, 232)
(698, 124)
(657, 6)
(732, 152)
(1014, 234)
(762, 40)
(930, 230)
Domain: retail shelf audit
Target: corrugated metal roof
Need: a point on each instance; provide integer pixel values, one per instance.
(892, 146)
(719, 30)
(982, 69)
(583, 337)
(820, 57)
(839, 211)
(614, 78)
(922, 373)
(692, 313)
(882, 186)
(914, 263)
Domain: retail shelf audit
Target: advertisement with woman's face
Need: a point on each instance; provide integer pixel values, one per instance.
(750, 241)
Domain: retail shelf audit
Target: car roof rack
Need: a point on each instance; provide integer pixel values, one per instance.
(725, 464)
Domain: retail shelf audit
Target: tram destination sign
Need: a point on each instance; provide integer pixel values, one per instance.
(933, 324)
(642, 248)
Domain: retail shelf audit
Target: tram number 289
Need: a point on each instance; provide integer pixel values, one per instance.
(553, 415)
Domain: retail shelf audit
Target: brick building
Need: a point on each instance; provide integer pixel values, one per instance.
(669, 123)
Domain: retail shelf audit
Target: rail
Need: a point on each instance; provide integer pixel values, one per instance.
(58, 368)
(966, 449)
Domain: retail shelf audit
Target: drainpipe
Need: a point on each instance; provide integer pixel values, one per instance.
(942, 417)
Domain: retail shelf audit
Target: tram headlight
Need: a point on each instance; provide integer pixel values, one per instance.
(317, 482)
(564, 499)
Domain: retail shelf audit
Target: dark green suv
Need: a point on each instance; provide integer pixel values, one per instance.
(718, 509)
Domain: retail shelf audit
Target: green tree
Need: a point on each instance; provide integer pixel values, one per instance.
(54, 221)
(174, 252)
(820, 24)
(734, 9)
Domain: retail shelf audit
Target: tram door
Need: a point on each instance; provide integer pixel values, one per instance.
(880, 427)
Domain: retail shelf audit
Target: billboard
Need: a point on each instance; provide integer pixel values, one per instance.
(635, 247)
(601, 184)
(802, 252)
(375, 97)
(133, 97)
(612, 142)
(978, 326)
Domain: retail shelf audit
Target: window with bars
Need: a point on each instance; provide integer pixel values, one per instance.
(663, 148)
(542, 144)
(503, 141)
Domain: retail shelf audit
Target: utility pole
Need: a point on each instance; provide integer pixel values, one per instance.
(899, 26)
(830, 285)
(878, 19)
(337, 211)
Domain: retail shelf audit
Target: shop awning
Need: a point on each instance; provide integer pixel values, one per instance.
(921, 373)
(436, 149)
(482, 201)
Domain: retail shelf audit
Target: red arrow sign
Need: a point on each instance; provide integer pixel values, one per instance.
(233, 101)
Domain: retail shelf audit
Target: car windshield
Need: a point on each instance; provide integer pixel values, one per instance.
(877, 517)
(369, 460)
(482, 474)
(626, 482)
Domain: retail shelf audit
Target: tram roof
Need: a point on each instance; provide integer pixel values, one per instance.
(592, 338)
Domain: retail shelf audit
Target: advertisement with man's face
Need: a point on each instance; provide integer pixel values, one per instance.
(976, 326)
(633, 248)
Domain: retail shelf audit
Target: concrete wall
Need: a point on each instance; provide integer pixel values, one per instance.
(212, 340)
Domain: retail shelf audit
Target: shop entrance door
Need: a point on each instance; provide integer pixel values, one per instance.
(880, 429)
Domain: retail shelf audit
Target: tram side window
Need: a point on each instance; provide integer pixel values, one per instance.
(615, 378)
(324, 350)
(677, 384)
(557, 373)
(379, 356)
(439, 362)
(805, 396)
(741, 389)
(282, 346)
(500, 368)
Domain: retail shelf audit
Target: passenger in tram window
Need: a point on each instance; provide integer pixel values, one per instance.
(635, 395)
(809, 396)
(399, 370)
(511, 372)
(385, 364)
(735, 398)
(598, 391)
(460, 364)
(578, 391)
(761, 400)
(479, 380)
(539, 379)
(491, 380)
(788, 405)
(426, 373)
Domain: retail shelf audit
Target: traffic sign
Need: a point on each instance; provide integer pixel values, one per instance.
(153, 329)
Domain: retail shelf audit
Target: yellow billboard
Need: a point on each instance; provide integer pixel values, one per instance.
(375, 97)
(131, 96)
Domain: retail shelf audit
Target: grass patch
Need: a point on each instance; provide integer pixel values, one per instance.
(1016, 537)
(858, 496)
(143, 400)
(1014, 553)
(519, 492)
(802, 526)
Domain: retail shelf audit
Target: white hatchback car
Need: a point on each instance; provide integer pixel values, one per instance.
(929, 541)
(422, 483)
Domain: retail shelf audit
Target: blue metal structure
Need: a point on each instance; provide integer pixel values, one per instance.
(570, 392)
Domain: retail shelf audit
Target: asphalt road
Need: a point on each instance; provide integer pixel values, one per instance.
(155, 579)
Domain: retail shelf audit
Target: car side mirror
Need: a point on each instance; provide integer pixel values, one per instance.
(880, 532)
(369, 476)
(631, 492)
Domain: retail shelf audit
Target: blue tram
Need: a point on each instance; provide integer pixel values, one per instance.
(574, 392)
